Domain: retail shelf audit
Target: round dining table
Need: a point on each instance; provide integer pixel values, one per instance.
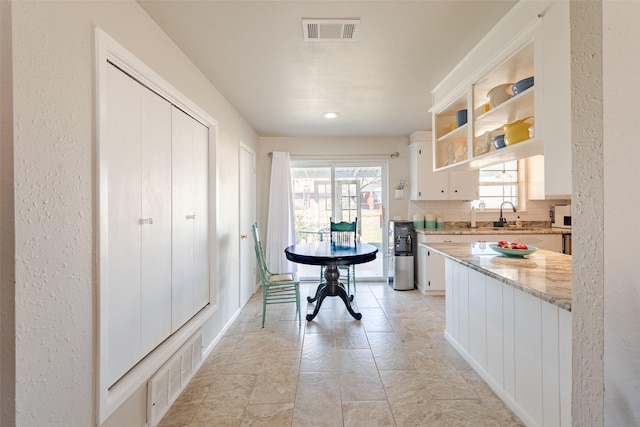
(331, 255)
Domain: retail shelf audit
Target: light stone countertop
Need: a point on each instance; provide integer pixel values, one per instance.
(491, 231)
(543, 274)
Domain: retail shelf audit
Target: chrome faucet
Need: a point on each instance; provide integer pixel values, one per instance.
(502, 219)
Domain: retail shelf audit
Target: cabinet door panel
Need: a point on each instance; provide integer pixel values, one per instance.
(435, 272)
(450, 307)
(528, 354)
(477, 318)
(463, 301)
(201, 221)
(464, 185)
(123, 156)
(182, 222)
(156, 211)
(508, 307)
(423, 261)
(495, 344)
(564, 338)
(550, 365)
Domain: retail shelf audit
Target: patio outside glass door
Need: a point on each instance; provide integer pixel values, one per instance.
(341, 191)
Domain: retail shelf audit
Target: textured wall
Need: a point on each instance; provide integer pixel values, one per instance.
(621, 65)
(55, 189)
(588, 208)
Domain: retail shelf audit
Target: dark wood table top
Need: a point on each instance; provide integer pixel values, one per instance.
(327, 253)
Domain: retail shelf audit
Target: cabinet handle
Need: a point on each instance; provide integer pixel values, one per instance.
(455, 191)
(191, 217)
(442, 191)
(146, 221)
(243, 236)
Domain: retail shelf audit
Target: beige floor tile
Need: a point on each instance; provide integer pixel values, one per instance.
(185, 408)
(394, 367)
(269, 415)
(370, 414)
(405, 387)
(408, 414)
(388, 352)
(229, 395)
(473, 413)
(318, 400)
(319, 353)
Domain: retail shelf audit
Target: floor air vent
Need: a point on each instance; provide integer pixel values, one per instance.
(165, 386)
(330, 29)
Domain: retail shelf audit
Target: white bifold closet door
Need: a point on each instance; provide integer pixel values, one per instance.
(190, 261)
(138, 186)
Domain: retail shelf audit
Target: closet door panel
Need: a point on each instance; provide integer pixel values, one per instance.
(182, 218)
(156, 220)
(201, 221)
(123, 157)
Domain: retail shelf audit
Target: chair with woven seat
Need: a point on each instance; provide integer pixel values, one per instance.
(344, 233)
(277, 288)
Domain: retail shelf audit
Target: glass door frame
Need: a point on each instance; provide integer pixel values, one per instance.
(333, 164)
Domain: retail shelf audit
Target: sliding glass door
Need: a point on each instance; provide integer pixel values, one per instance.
(341, 191)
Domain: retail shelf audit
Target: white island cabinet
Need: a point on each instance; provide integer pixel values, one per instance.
(516, 337)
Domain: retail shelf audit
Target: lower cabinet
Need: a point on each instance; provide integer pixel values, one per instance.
(430, 271)
(519, 344)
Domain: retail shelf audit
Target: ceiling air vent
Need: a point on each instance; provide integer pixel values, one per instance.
(330, 29)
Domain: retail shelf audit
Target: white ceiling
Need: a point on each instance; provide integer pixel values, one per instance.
(380, 85)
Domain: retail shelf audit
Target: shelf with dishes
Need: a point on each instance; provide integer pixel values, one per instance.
(501, 106)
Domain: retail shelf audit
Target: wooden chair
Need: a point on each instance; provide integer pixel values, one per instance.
(277, 288)
(344, 234)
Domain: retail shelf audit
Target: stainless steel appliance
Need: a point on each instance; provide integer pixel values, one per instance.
(402, 244)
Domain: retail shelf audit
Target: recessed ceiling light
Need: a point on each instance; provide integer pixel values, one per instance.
(330, 115)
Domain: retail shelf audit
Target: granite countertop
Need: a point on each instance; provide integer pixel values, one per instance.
(544, 274)
(492, 230)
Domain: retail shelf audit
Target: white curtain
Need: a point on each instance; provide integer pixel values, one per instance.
(281, 222)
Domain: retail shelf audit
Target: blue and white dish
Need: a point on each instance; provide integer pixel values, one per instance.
(522, 85)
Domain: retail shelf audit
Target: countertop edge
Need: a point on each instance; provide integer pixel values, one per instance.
(490, 231)
(524, 288)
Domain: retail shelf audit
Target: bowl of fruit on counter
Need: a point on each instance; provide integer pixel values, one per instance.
(512, 249)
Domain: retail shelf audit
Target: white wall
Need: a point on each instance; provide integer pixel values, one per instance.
(588, 212)
(621, 66)
(55, 297)
(333, 148)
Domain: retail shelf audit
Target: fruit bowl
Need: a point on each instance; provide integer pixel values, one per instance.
(513, 252)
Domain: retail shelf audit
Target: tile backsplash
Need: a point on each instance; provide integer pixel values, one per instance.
(460, 211)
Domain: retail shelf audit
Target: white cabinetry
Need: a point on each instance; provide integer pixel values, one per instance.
(138, 245)
(531, 40)
(553, 72)
(190, 274)
(430, 271)
(154, 267)
(519, 344)
(425, 184)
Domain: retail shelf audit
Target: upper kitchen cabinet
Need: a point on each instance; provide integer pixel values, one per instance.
(427, 184)
(477, 101)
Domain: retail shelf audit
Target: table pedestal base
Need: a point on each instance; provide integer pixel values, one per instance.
(332, 288)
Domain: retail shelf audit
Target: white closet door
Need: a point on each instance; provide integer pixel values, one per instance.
(123, 157)
(156, 220)
(201, 221)
(182, 218)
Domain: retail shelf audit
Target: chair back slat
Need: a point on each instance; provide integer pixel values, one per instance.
(343, 233)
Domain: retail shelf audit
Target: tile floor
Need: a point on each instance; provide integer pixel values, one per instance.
(392, 368)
